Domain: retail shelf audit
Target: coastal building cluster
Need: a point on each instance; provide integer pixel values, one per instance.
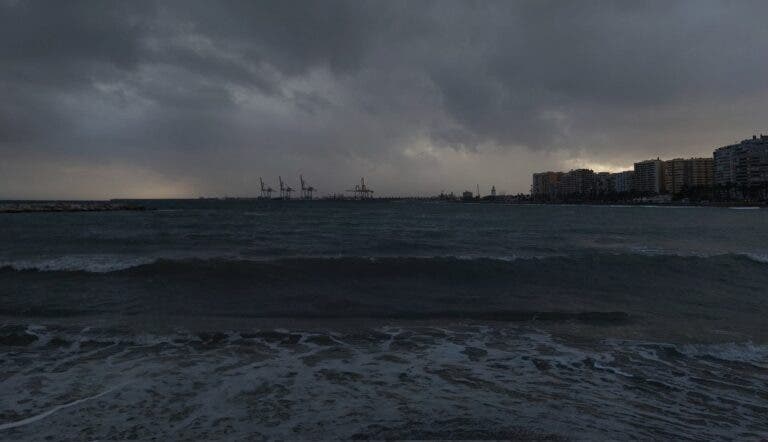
(734, 172)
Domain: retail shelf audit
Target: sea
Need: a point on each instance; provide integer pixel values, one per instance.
(249, 320)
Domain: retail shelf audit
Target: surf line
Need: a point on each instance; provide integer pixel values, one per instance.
(45, 414)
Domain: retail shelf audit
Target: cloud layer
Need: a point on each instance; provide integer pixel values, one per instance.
(180, 98)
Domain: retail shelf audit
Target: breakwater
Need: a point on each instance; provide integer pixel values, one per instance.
(65, 206)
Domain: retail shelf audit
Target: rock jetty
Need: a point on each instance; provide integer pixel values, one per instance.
(65, 206)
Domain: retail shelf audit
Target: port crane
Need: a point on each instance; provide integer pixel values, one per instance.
(285, 190)
(361, 191)
(266, 191)
(306, 189)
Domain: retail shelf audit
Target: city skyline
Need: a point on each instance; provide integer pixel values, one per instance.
(181, 99)
(734, 172)
(264, 186)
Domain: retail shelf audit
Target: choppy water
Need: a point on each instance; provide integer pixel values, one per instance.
(238, 319)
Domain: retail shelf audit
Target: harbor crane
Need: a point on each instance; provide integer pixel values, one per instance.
(306, 189)
(285, 190)
(266, 191)
(361, 191)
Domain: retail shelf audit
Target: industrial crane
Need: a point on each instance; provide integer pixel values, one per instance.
(361, 191)
(306, 190)
(285, 190)
(266, 191)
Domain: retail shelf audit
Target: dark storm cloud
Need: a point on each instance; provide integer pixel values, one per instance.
(196, 90)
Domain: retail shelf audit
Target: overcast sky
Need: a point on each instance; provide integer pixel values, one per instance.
(137, 98)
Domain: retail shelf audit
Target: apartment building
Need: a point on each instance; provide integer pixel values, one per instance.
(624, 182)
(545, 184)
(742, 165)
(649, 176)
(577, 182)
(681, 174)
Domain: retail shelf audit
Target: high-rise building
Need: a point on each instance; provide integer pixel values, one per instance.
(649, 176)
(624, 181)
(577, 182)
(725, 165)
(681, 174)
(742, 165)
(545, 184)
(702, 172)
(604, 183)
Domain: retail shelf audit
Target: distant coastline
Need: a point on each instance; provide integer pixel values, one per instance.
(145, 204)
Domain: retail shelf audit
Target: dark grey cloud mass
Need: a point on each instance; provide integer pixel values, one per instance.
(180, 98)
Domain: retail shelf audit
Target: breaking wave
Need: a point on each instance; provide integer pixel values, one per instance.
(139, 264)
(515, 383)
(78, 263)
(757, 257)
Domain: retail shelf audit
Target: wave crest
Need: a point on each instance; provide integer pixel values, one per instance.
(122, 263)
(79, 263)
